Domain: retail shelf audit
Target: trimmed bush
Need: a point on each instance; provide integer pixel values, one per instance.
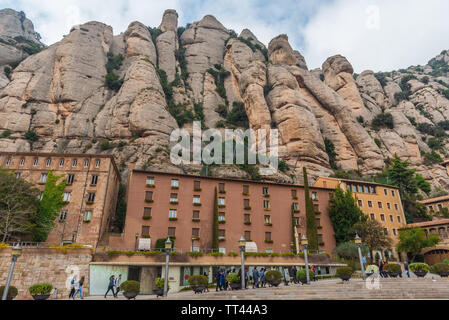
(198, 281)
(12, 292)
(419, 267)
(372, 269)
(233, 278)
(301, 274)
(273, 276)
(344, 272)
(440, 268)
(160, 284)
(130, 286)
(392, 267)
(40, 289)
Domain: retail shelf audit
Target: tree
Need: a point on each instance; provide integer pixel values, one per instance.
(120, 210)
(215, 244)
(344, 214)
(294, 248)
(50, 206)
(312, 234)
(18, 204)
(348, 250)
(414, 240)
(372, 234)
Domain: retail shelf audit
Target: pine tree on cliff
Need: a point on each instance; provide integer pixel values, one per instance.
(310, 216)
(215, 244)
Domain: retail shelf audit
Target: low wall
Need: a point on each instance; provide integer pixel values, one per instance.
(45, 265)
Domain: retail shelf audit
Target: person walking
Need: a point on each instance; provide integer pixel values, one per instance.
(118, 282)
(217, 279)
(295, 272)
(72, 287)
(222, 280)
(256, 276)
(246, 278)
(110, 286)
(407, 269)
(262, 277)
(79, 289)
(286, 277)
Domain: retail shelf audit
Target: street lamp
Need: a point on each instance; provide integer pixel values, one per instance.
(242, 247)
(168, 248)
(15, 252)
(137, 239)
(305, 243)
(358, 242)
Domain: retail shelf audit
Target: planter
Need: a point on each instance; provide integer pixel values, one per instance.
(235, 286)
(421, 274)
(393, 274)
(345, 277)
(160, 292)
(275, 283)
(369, 274)
(443, 274)
(41, 296)
(303, 280)
(131, 295)
(198, 289)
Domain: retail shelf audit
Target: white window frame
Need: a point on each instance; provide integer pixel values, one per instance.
(175, 183)
(35, 162)
(63, 215)
(97, 164)
(43, 178)
(221, 201)
(22, 162)
(75, 163)
(61, 162)
(86, 163)
(150, 181)
(173, 213)
(87, 215)
(67, 196)
(8, 162)
(48, 163)
(196, 200)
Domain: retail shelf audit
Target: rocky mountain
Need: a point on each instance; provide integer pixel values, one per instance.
(96, 92)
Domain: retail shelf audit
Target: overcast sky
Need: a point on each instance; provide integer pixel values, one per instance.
(381, 35)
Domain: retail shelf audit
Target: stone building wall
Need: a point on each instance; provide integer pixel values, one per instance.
(46, 265)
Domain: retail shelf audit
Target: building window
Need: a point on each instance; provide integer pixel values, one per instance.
(97, 164)
(366, 189)
(35, 162)
(147, 212)
(222, 234)
(296, 222)
(373, 190)
(94, 180)
(43, 178)
(320, 238)
(370, 204)
(373, 217)
(221, 187)
(389, 206)
(91, 197)
(48, 163)
(294, 194)
(174, 198)
(248, 235)
(431, 208)
(221, 217)
(316, 207)
(63, 215)
(22, 162)
(391, 218)
(61, 162)
(386, 192)
(86, 163)
(266, 204)
(386, 231)
(70, 179)
(395, 232)
(171, 232)
(318, 222)
(195, 233)
(440, 207)
(148, 196)
(265, 191)
(399, 219)
(267, 219)
(314, 196)
(246, 203)
(175, 183)
(382, 217)
(295, 206)
(67, 196)
(221, 201)
(196, 215)
(268, 236)
(396, 207)
(196, 200)
(40, 196)
(74, 163)
(360, 203)
(18, 174)
(380, 205)
(87, 216)
(173, 214)
(197, 185)
(145, 231)
(348, 187)
(8, 162)
(360, 189)
(150, 181)
(354, 188)
(393, 193)
(247, 218)
(246, 190)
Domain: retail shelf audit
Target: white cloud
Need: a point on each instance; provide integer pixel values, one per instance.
(410, 32)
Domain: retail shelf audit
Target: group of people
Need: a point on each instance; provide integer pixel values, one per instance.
(384, 274)
(76, 286)
(114, 283)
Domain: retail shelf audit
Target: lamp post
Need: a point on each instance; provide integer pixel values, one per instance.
(358, 242)
(135, 244)
(168, 248)
(15, 252)
(242, 247)
(305, 243)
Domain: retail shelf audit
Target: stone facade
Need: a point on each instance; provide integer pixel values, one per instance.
(37, 265)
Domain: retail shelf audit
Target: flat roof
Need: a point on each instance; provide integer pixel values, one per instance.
(360, 181)
(261, 182)
(434, 200)
(77, 155)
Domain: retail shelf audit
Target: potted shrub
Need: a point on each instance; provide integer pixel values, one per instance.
(41, 291)
(198, 283)
(131, 289)
(273, 277)
(301, 275)
(441, 269)
(393, 270)
(344, 273)
(12, 292)
(159, 291)
(234, 281)
(420, 269)
(371, 269)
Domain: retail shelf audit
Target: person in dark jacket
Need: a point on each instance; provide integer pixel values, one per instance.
(80, 289)
(295, 271)
(110, 286)
(217, 279)
(72, 287)
(256, 276)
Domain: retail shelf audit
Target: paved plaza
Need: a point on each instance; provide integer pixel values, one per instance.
(356, 289)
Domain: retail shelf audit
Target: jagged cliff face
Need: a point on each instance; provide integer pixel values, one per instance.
(60, 94)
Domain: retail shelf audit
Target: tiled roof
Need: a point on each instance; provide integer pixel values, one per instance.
(429, 223)
(360, 182)
(434, 200)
